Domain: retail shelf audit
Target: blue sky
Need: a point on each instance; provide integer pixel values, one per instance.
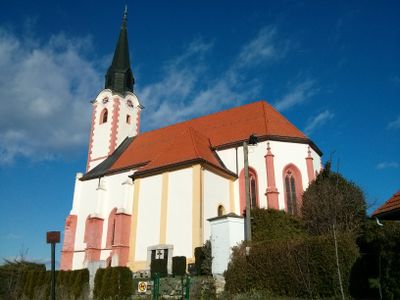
(332, 68)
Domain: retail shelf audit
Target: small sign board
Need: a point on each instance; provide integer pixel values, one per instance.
(142, 286)
(53, 237)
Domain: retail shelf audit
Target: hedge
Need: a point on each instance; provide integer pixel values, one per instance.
(301, 267)
(113, 283)
(35, 284)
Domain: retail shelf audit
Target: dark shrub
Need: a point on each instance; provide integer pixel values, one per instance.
(179, 265)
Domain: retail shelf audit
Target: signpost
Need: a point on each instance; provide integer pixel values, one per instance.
(53, 237)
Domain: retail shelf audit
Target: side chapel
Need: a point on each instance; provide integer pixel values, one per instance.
(155, 191)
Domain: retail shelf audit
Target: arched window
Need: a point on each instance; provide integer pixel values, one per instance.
(253, 184)
(104, 116)
(221, 210)
(293, 188)
(111, 229)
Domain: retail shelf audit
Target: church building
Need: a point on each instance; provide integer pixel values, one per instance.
(144, 192)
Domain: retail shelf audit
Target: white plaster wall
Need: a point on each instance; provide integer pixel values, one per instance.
(225, 233)
(149, 211)
(284, 153)
(215, 193)
(116, 192)
(125, 129)
(101, 132)
(179, 212)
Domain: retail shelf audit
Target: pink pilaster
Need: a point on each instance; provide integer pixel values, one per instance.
(310, 166)
(67, 252)
(272, 191)
(121, 239)
(93, 236)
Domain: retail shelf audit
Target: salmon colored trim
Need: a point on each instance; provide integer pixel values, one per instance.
(93, 237)
(69, 242)
(242, 191)
(272, 192)
(138, 122)
(298, 184)
(91, 137)
(310, 166)
(121, 238)
(114, 126)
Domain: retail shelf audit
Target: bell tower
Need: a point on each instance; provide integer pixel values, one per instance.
(116, 109)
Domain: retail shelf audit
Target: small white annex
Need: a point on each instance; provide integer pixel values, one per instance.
(150, 195)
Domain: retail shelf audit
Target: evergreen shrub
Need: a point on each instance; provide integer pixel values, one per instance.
(203, 259)
(379, 264)
(113, 283)
(301, 267)
(179, 265)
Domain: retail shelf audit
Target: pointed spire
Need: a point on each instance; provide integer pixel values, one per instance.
(119, 77)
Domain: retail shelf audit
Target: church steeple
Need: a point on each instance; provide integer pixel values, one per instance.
(119, 77)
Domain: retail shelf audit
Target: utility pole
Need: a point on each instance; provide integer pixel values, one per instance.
(247, 190)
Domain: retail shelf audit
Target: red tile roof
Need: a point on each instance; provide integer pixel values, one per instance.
(393, 204)
(195, 139)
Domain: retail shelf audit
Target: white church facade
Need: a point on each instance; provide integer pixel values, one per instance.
(156, 190)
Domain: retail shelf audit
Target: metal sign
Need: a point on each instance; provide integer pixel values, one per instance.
(142, 286)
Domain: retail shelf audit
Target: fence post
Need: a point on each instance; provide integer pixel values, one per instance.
(156, 286)
(187, 286)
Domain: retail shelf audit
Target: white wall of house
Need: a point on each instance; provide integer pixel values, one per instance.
(215, 193)
(179, 211)
(149, 212)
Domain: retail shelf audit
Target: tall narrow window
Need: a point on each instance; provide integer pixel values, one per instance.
(104, 116)
(221, 210)
(290, 187)
(253, 192)
(253, 185)
(293, 189)
(128, 119)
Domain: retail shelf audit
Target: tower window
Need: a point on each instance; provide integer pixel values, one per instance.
(104, 116)
(128, 119)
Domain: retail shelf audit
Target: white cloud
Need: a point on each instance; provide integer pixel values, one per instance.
(394, 124)
(300, 93)
(45, 89)
(388, 165)
(265, 47)
(318, 121)
(189, 88)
